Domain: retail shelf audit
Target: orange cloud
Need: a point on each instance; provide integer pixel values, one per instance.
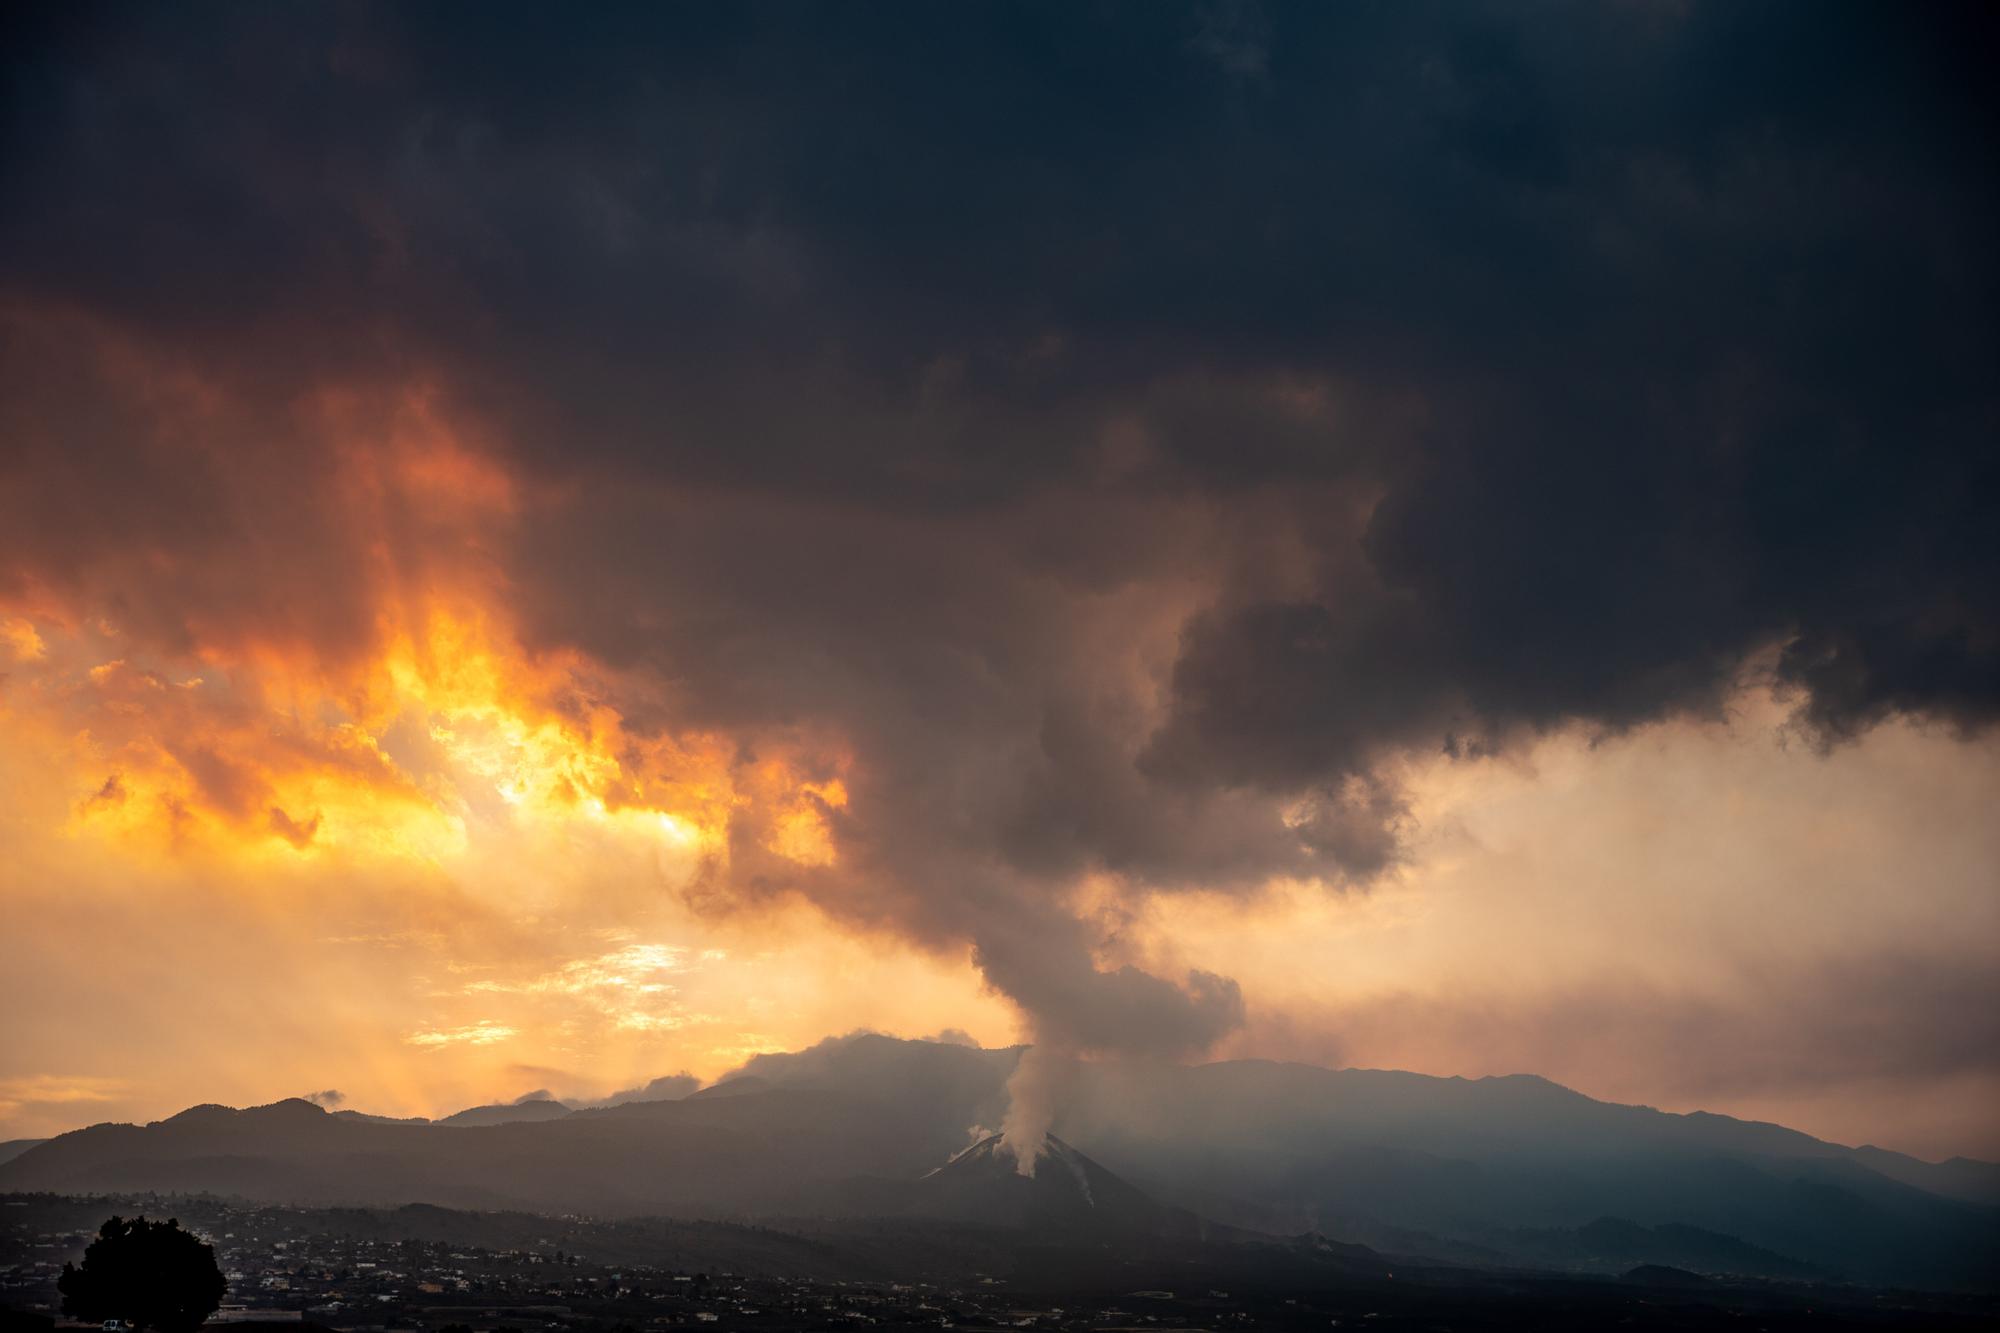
(56, 1090)
(396, 757)
(274, 626)
(263, 651)
(475, 1034)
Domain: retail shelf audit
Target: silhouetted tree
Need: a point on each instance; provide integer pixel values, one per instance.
(150, 1274)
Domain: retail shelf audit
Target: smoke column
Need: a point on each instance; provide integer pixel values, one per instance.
(1031, 1104)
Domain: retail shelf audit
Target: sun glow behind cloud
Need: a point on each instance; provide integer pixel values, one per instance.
(475, 1034)
(341, 679)
(385, 825)
(500, 796)
(478, 868)
(436, 731)
(469, 870)
(489, 885)
(409, 757)
(324, 795)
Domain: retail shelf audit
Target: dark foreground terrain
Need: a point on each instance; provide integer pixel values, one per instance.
(433, 1269)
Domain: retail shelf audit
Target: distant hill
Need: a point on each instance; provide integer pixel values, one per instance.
(1956, 1177)
(781, 1150)
(1662, 1275)
(12, 1148)
(1367, 1153)
(508, 1113)
(735, 1087)
(362, 1117)
(1498, 1171)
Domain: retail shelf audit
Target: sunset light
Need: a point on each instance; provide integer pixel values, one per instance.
(1215, 663)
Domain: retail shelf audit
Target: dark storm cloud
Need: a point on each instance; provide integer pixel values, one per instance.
(1431, 375)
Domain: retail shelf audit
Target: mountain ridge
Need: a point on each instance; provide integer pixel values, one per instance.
(1457, 1168)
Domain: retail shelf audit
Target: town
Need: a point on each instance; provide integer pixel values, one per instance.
(344, 1270)
(282, 1267)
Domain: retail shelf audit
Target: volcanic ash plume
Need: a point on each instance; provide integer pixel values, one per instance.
(1042, 959)
(1031, 1105)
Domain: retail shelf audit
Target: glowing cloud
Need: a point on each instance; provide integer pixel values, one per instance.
(476, 1034)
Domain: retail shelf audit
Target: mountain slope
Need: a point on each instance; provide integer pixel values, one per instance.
(737, 1156)
(1066, 1191)
(1359, 1151)
(507, 1113)
(1459, 1169)
(12, 1148)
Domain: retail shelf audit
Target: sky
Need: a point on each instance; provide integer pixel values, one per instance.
(542, 549)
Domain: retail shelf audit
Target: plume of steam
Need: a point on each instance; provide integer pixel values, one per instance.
(1032, 1091)
(1044, 960)
(330, 1098)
